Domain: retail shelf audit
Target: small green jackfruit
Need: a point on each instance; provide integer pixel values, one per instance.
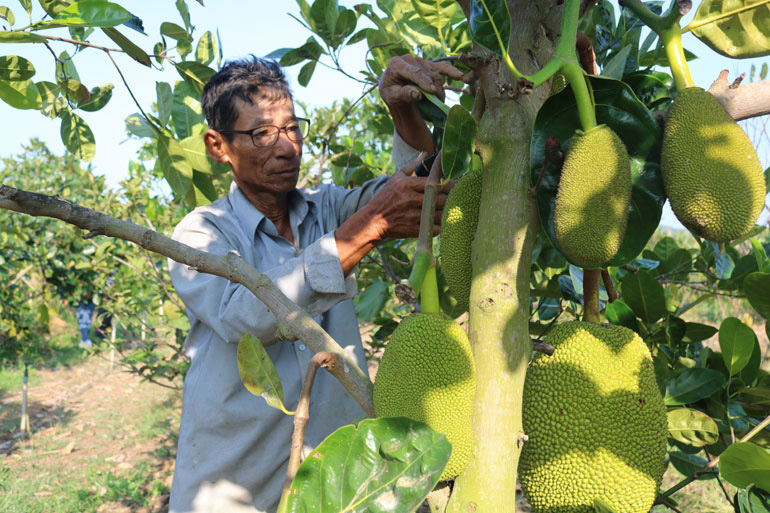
(427, 374)
(711, 172)
(593, 197)
(458, 229)
(595, 421)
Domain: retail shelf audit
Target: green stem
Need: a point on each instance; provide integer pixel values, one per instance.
(647, 17)
(672, 41)
(503, 45)
(576, 77)
(429, 292)
(421, 262)
(591, 278)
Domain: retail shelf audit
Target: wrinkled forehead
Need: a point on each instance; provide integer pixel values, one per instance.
(264, 108)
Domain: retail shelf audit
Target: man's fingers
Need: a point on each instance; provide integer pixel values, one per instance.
(447, 69)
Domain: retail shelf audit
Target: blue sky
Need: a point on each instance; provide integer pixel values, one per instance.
(257, 27)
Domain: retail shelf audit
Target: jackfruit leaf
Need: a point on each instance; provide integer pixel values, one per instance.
(258, 373)
(74, 90)
(174, 165)
(446, 300)
(195, 151)
(186, 112)
(697, 332)
(457, 146)
(371, 300)
(206, 49)
(173, 31)
(602, 506)
(432, 109)
(665, 248)
(750, 373)
(691, 385)
(202, 183)
(490, 23)
(306, 73)
(617, 64)
(13, 67)
(310, 51)
(128, 46)
(644, 294)
(20, 37)
(20, 94)
(736, 340)
(7, 14)
(692, 427)
(138, 125)
(688, 464)
(752, 500)
(386, 464)
(98, 98)
(184, 12)
(724, 266)
(621, 314)
(618, 108)
(77, 136)
(760, 255)
(195, 74)
(658, 57)
(736, 29)
(689, 306)
(165, 101)
(755, 286)
(437, 13)
(88, 13)
(653, 88)
(745, 463)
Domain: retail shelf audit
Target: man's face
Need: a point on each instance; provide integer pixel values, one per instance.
(273, 169)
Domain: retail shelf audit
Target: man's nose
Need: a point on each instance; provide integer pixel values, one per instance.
(286, 146)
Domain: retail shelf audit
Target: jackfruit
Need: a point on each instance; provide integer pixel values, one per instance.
(595, 421)
(711, 172)
(458, 229)
(427, 374)
(593, 197)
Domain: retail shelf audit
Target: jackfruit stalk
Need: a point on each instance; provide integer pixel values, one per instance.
(427, 374)
(593, 197)
(595, 421)
(711, 172)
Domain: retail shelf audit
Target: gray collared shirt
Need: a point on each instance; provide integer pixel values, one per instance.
(227, 433)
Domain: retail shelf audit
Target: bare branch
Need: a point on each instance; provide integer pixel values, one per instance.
(230, 266)
(742, 101)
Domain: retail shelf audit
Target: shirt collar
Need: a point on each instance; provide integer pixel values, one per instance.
(249, 216)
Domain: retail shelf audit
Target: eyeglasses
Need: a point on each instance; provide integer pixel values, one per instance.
(267, 135)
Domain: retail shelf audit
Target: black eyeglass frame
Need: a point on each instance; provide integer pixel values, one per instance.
(250, 132)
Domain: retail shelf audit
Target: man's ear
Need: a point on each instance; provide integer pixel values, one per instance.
(216, 146)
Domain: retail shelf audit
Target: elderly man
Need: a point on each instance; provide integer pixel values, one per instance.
(307, 242)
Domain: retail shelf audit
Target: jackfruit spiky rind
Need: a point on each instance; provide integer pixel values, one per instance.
(595, 421)
(711, 172)
(458, 229)
(593, 198)
(427, 374)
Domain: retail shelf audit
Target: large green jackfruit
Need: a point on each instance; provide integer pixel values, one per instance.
(458, 229)
(427, 374)
(595, 422)
(593, 197)
(711, 171)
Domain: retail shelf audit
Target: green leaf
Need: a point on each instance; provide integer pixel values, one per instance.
(90, 13)
(760, 255)
(752, 500)
(186, 110)
(20, 94)
(618, 107)
(206, 49)
(128, 46)
(658, 58)
(310, 51)
(750, 373)
(457, 147)
(617, 64)
(7, 14)
(743, 464)
(258, 373)
(99, 96)
(490, 24)
(692, 427)
(437, 13)
(736, 29)
(165, 101)
(386, 464)
(691, 385)
(173, 31)
(195, 74)
(619, 313)
(74, 90)
(138, 125)
(65, 68)
(27, 4)
(174, 165)
(736, 340)
(184, 12)
(697, 332)
(13, 67)
(196, 154)
(52, 103)
(756, 287)
(644, 295)
(202, 183)
(20, 37)
(433, 99)
(51, 7)
(77, 136)
(371, 300)
(306, 73)
(687, 464)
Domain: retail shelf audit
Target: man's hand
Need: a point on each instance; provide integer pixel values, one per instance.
(393, 213)
(400, 88)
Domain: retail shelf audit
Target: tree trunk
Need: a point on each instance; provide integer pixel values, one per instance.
(502, 250)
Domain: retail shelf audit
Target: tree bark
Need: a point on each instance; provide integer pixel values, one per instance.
(502, 250)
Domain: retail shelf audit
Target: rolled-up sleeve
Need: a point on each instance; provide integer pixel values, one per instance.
(313, 280)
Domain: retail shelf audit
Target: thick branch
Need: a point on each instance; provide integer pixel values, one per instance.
(742, 101)
(296, 321)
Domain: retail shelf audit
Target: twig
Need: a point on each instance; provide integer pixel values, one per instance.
(388, 270)
(458, 89)
(231, 267)
(301, 416)
(81, 43)
(130, 92)
(612, 294)
(543, 347)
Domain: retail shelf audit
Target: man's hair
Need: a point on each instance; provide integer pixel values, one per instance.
(241, 78)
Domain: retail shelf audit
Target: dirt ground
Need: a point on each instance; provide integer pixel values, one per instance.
(91, 418)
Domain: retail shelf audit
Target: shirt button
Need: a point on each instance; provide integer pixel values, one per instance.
(302, 347)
